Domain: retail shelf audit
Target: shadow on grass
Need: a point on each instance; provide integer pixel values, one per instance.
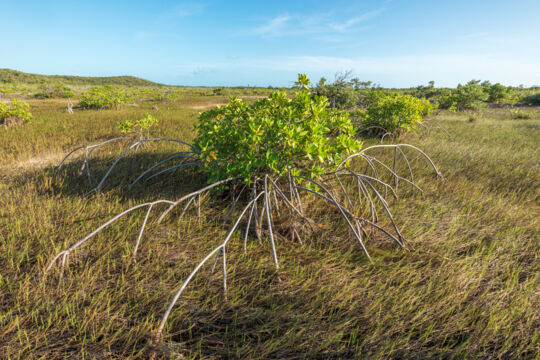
(71, 181)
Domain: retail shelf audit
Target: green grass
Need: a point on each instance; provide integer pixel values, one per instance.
(14, 76)
(469, 290)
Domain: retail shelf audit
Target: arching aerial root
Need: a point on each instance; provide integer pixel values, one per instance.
(350, 193)
(134, 146)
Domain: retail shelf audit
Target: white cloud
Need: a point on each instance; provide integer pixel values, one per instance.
(294, 25)
(202, 71)
(446, 69)
(347, 25)
(390, 71)
(273, 27)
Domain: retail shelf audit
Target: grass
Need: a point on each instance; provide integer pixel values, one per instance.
(469, 290)
(14, 76)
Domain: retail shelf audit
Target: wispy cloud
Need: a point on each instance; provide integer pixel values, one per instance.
(394, 71)
(323, 25)
(202, 71)
(398, 70)
(347, 25)
(275, 26)
(477, 35)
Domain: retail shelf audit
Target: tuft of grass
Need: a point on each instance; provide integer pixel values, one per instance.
(469, 290)
(520, 114)
(473, 117)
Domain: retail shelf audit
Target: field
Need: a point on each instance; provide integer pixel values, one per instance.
(470, 290)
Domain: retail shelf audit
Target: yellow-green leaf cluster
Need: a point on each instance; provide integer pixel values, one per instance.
(393, 113)
(273, 136)
(104, 97)
(15, 113)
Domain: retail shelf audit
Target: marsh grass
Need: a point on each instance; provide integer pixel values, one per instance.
(469, 290)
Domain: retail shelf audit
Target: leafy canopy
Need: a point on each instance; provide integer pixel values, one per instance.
(15, 113)
(273, 136)
(104, 97)
(393, 113)
(343, 93)
(471, 96)
(498, 93)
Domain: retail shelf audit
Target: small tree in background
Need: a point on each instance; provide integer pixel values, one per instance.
(105, 97)
(470, 96)
(389, 113)
(498, 93)
(15, 113)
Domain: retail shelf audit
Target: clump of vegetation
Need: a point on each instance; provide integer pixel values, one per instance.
(378, 113)
(54, 91)
(269, 158)
(219, 91)
(426, 92)
(532, 100)
(391, 113)
(105, 97)
(473, 117)
(469, 293)
(12, 88)
(344, 93)
(520, 114)
(15, 113)
(140, 127)
(498, 93)
(470, 96)
(273, 136)
(14, 76)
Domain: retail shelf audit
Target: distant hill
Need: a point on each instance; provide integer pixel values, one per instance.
(14, 76)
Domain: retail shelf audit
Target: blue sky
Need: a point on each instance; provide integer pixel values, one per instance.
(397, 43)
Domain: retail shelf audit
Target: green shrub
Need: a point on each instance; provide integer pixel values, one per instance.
(15, 113)
(105, 97)
(498, 93)
(470, 96)
(427, 92)
(520, 114)
(392, 113)
(54, 91)
(342, 93)
(274, 135)
(218, 91)
(138, 127)
(533, 100)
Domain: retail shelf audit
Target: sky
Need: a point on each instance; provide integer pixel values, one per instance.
(395, 43)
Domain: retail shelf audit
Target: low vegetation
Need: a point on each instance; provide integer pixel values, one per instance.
(13, 76)
(277, 152)
(533, 100)
(274, 136)
(466, 287)
(14, 113)
(104, 97)
(392, 114)
(520, 114)
(140, 127)
(54, 91)
(471, 96)
(344, 93)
